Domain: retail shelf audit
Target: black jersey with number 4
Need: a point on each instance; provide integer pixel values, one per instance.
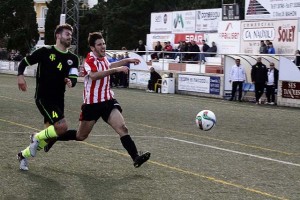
(53, 67)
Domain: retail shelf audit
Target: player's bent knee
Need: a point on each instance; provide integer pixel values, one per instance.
(61, 128)
(124, 128)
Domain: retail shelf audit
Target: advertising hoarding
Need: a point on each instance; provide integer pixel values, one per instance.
(161, 22)
(208, 20)
(272, 9)
(282, 33)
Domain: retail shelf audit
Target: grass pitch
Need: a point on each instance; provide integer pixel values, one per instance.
(252, 153)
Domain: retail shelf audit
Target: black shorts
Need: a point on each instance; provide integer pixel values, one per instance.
(53, 111)
(90, 112)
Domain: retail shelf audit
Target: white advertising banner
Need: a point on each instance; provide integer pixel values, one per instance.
(161, 22)
(153, 38)
(208, 20)
(282, 33)
(184, 21)
(272, 9)
(194, 83)
(139, 77)
(229, 37)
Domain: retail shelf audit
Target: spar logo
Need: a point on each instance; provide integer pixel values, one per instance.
(178, 21)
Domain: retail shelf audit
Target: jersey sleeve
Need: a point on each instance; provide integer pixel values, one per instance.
(73, 73)
(32, 59)
(74, 68)
(35, 56)
(90, 65)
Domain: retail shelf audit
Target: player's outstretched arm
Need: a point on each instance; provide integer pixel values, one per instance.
(102, 74)
(125, 62)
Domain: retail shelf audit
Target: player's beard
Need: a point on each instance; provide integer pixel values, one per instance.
(66, 42)
(101, 53)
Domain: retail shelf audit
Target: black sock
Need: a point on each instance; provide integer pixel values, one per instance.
(129, 145)
(69, 135)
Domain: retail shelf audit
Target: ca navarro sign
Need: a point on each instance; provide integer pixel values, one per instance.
(259, 34)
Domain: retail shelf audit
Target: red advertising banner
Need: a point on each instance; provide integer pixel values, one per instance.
(291, 90)
(189, 37)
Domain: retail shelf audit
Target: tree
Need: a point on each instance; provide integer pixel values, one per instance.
(92, 21)
(52, 20)
(127, 21)
(19, 25)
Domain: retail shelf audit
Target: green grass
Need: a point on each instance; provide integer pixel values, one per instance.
(252, 153)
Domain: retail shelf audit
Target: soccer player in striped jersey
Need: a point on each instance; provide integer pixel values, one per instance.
(98, 98)
(57, 67)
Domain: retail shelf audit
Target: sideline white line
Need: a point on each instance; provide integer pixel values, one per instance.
(237, 152)
(213, 147)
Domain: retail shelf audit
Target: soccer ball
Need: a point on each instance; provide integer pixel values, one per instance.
(205, 120)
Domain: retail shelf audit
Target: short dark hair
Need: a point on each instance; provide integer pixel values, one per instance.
(59, 29)
(93, 37)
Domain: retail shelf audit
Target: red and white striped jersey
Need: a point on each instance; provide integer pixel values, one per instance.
(96, 90)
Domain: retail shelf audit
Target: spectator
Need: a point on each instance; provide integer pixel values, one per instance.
(177, 49)
(124, 49)
(237, 77)
(113, 58)
(124, 77)
(271, 84)
(213, 49)
(141, 49)
(114, 78)
(271, 49)
(267, 43)
(188, 47)
(154, 76)
(205, 48)
(168, 47)
(182, 48)
(157, 49)
(259, 76)
(120, 57)
(263, 49)
(11, 56)
(194, 48)
(18, 56)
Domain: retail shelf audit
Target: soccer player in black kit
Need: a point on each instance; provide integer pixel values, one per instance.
(57, 67)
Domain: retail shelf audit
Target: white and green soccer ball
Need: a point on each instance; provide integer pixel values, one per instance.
(206, 120)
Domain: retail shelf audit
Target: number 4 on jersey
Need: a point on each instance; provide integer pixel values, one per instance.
(54, 114)
(59, 66)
